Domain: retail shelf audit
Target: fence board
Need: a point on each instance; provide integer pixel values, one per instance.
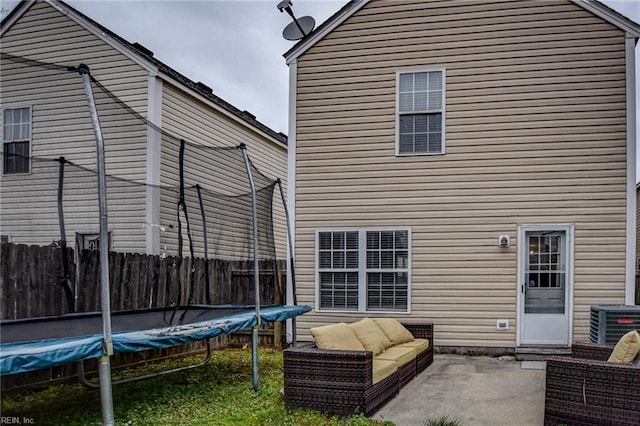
(30, 287)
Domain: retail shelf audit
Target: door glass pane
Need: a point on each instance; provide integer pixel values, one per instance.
(545, 273)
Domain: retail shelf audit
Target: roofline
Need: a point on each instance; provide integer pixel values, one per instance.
(155, 67)
(603, 11)
(325, 28)
(593, 6)
(12, 17)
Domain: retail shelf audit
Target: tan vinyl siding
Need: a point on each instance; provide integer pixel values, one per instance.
(62, 127)
(190, 119)
(535, 133)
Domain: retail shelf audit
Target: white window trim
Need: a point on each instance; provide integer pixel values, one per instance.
(444, 110)
(362, 269)
(18, 106)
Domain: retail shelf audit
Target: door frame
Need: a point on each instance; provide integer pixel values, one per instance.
(522, 250)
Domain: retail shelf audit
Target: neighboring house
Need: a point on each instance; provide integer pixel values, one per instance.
(50, 112)
(470, 163)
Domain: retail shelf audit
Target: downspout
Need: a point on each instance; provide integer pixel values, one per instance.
(291, 189)
(630, 57)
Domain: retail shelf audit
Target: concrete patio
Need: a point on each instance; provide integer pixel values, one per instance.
(475, 390)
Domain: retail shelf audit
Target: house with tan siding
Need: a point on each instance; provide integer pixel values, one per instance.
(469, 163)
(50, 107)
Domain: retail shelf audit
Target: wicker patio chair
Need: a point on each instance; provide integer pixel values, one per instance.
(585, 389)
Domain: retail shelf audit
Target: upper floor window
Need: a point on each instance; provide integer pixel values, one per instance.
(363, 270)
(16, 140)
(420, 112)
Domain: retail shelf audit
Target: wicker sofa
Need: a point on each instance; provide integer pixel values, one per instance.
(585, 389)
(341, 382)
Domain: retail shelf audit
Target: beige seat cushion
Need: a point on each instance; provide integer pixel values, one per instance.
(420, 345)
(395, 332)
(370, 335)
(336, 336)
(383, 369)
(398, 354)
(627, 348)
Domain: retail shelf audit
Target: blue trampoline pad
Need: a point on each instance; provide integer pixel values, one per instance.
(34, 343)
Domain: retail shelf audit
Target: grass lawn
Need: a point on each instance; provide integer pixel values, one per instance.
(220, 393)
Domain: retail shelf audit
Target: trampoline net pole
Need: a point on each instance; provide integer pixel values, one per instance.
(63, 240)
(256, 270)
(106, 395)
(291, 272)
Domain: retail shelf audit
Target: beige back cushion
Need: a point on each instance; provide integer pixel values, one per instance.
(370, 335)
(627, 348)
(394, 331)
(336, 336)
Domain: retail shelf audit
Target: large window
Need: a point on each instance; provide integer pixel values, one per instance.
(16, 138)
(420, 112)
(365, 270)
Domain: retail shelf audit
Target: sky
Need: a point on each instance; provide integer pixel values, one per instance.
(234, 47)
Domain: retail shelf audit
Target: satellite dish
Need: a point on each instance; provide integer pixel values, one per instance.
(299, 28)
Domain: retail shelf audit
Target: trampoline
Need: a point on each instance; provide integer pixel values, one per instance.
(210, 218)
(34, 343)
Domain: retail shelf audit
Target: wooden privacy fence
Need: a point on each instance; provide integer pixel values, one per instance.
(30, 286)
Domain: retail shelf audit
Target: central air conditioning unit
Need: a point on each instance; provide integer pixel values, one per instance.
(610, 322)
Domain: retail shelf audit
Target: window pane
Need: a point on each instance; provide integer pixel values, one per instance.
(422, 101)
(401, 259)
(373, 240)
(338, 240)
(421, 82)
(406, 102)
(325, 259)
(386, 291)
(338, 259)
(421, 143)
(402, 240)
(421, 123)
(16, 158)
(435, 100)
(352, 259)
(435, 80)
(386, 240)
(406, 124)
(8, 132)
(386, 259)
(373, 259)
(406, 144)
(435, 122)
(352, 240)
(25, 131)
(406, 82)
(325, 241)
(435, 142)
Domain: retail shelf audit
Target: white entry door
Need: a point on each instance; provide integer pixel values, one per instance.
(545, 263)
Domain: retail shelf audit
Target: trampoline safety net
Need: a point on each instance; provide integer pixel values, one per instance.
(193, 208)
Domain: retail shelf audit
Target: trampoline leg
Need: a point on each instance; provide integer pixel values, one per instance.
(86, 383)
(106, 395)
(254, 356)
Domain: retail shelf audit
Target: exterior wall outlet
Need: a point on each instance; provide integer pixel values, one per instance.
(502, 324)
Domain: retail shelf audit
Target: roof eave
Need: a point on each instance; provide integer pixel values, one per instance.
(155, 67)
(325, 28)
(353, 6)
(610, 15)
(14, 15)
